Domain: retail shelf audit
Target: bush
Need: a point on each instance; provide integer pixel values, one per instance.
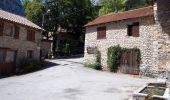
(97, 64)
(113, 56)
(30, 65)
(98, 56)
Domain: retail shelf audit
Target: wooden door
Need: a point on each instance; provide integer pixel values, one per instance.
(7, 61)
(128, 63)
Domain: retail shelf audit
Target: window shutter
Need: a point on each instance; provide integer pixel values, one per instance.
(33, 36)
(135, 30)
(1, 28)
(101, 32)
(30, 35)
(16, 34)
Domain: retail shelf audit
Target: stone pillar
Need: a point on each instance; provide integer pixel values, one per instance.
(162, 46)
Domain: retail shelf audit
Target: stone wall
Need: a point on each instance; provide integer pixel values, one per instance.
(116, 34)
(162, 19)
(46, 48)
(21, 44)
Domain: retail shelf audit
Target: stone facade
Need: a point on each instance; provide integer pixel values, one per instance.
(46, 48)
(22, 45)
(154, 40)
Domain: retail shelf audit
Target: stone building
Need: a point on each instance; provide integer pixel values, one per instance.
(19, 38)
(146, 28)
(46, 48)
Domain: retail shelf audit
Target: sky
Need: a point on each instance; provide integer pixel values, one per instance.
(95, 2)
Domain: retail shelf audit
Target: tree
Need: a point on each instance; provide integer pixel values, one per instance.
(134, 4)
(112, 6)
(70, 15)
(33, 10)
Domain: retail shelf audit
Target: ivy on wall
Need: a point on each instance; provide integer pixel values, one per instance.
(97, 65)
(114, 54)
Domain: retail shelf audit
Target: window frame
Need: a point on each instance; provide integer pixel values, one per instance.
(7, 26)
(31, 35)
(16, 32)
(133, 30)
(1, 28)
(101, 32)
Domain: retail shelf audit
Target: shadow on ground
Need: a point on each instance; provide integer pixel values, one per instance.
(68, 57)
(46, 65)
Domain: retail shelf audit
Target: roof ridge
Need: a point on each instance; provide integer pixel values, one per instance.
(12, 13)
(18, 19)
(134, 13)
(112, 13)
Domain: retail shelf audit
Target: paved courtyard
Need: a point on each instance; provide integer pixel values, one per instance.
(69, 81)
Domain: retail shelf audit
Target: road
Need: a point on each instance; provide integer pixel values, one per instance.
(70, 81)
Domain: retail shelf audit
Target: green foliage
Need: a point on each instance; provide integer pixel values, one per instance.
(97, 64)
(98, 56)
(138, 55)
(70, 15)
(67, 49)
(34, 10)
(112, 6)
(134, 4)
(113, 56)
(30, 65)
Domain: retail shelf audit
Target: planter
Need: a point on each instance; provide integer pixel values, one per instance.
(152, 91)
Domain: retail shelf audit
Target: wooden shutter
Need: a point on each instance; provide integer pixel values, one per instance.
(135, 29)
(30, 35)
(16, 34)
(101, 32)
(123, 58)
(129, 30)
(33, 35)
(1, 28)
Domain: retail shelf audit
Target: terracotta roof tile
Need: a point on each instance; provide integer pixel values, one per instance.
(136, 13)
(17, 19)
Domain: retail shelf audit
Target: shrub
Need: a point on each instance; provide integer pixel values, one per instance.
(113, 56)
(30, 65)
(97, 64)
(98, 56)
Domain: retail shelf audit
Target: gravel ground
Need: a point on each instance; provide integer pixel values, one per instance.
(70, 81)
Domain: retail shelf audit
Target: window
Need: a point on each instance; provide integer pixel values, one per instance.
(8, 29)
(16, 34)
(101, 32)
(10, 56)
(1, 56)
(1, 28)
(31, 35)
(133, 30)
(30, 54)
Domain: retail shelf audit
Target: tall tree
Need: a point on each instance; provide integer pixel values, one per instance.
(120, 5)
(112, 6)
(70, 15)
(133, 4)
(34, 10)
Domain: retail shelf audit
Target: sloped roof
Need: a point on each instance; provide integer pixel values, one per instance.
(17, 19)
(136, 13)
